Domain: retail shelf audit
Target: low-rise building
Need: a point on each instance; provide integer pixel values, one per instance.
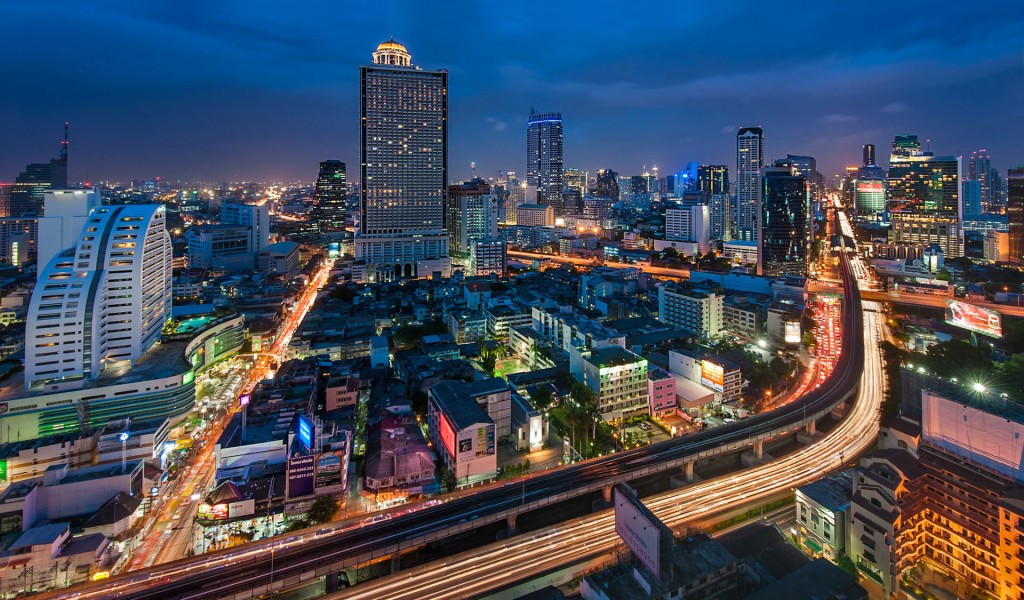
(696, 308)
(617, 377)
(822, 509)
(282, 258)
(463, 435)
(661, 391)
(399, 462)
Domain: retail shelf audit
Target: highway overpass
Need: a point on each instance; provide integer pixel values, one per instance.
(267, 565)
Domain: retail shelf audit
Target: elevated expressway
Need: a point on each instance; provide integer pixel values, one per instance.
(264, 566)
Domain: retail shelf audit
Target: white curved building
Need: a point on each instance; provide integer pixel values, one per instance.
(102, 302)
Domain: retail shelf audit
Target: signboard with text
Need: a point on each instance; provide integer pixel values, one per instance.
(328, 478)
(712, 375)
(301, 474)
(974, 318)
(640, 534)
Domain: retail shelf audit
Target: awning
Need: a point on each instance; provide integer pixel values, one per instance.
(813, 545)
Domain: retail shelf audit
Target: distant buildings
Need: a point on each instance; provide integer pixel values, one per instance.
(692, 307)
(749, 161)
(404, 165)
(329, 196)
(979, 169)
(472, 214)
(26, 195)
(535, 214)
(606, 184)
(544, 159)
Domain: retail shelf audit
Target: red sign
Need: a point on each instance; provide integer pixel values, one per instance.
(447, 435)
(974, 318)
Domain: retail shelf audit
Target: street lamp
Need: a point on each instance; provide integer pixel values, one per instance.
(979, 387)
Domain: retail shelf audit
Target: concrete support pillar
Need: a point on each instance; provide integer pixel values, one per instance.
(688, 471)
(511, 520)
(759, 449)
(396, 562)
(812, 427)
(607, 492)
(331, 582)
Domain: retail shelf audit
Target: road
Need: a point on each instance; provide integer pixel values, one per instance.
(589, 262)
(522, 558)
(171, 535)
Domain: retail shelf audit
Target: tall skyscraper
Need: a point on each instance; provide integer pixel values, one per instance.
(544, 158)
(575, 179)
(1015, 214)
(329, 196)
(404, 165)
(784, 242)
(749, 161)
(869, 155)
(472, 214)
(979, 168)
(713, 179)
(102, 301)
(26, 196)
(720, 214)
(606, 184)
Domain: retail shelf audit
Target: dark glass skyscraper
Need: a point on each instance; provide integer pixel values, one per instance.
(544, 158)
(869, 155)
(784, 242)
(1015, 214)
(404, 164)
(329, 196)
(26, 195)
(606, 184)
(712, 179)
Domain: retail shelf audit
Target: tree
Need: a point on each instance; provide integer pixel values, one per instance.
(488, 360)
(542, 397)
(323, 510)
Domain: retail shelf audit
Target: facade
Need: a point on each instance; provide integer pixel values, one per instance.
(693, 308)
(997, 246)
(493, 395)
(535, 214)
(463, 435)
(30, 186)
(617, 377)
(661, 392)
(720, 216)
(691, 224)
(472, 213)
(220, 246)
(749, 161)
(925, 229)
(281, 257)
(822, 510)
(65, 214)
(18, 239)
(544, 159)
(488, 257)
(404, 164)
(712, 179)
(329, 196)
(103, 301)
(1015, 215)
(925, 183)
(784, 225)
(254, 216)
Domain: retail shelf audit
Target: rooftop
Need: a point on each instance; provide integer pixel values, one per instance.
(613, 356)
(831, 492)
(456, 403)
(38, 536)
(280, 248)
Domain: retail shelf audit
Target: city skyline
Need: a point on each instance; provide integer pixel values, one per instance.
(231, 97)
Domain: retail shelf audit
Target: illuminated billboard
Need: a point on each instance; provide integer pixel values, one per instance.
(212, 512)
(447, 435)
(712, 375)
(974, 318)
(301, 471)
(328, 478)
(305, 431)
(792, 332)
(641, 535)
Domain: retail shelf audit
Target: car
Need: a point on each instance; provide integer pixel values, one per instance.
(379, 518)
(325, 531)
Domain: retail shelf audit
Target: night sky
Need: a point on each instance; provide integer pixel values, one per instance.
(259, 90)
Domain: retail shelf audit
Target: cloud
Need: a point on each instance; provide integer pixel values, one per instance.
(895, 107)
(497, 125)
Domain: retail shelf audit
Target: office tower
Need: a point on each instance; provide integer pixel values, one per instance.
(869, 155)
(5, 199)
(972, 198)
(784, 240)
(720, 215)
(979, 168)
(1015, 215)
(923, 229)
(921, 181)
(544, 158)
(488, 256)
(575, 179)
(30, 186)
(65, 214)
(869, 191)
(254, 216)
(606, 184)
(691, 224)
(472, 214)
(905, 145)
(749, 161)
(712, 179)
(998, 193)
(404, 164)
(103, 300)
(329, 196)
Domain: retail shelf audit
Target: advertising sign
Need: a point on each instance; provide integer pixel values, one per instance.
(465, 443)
(328, 478)
(305, 432)
(3, 470)
(712, 375)
(484, 441)
(242, 508)
(301, 472)
(792, 332)
(641, 536)
(974, 318)
(447, 435)
(213, 512)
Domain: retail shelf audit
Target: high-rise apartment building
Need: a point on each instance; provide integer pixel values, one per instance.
(472, 214)
(329, 196)
(544, 158)
(254, 216)
(720, 215)
(784, 239)
(1015, 215)
(690, 224)
(29, 189)
(979, 168)
(102, 301)
(749, 161)
(606, 184)
(692, 307)
(712, 179)
(404, 164)
(576, 179)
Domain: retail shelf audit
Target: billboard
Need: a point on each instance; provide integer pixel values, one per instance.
(792, 332)
(641, 535)
(974, 318)
(447, 434)
(328, 478)
(305, 431)
(301, 473)
(982, 437)
(3, 470)
(712, 375)
(242, 508)
(212, 512)
(484, 441)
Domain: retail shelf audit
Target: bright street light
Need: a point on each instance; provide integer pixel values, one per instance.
(979, 387)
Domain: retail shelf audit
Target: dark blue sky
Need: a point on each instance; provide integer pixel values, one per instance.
(219, 90)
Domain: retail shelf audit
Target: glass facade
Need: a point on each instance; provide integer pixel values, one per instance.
(785, 239)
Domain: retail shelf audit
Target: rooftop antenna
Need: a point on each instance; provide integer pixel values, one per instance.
(64, 144)
(472, 169)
